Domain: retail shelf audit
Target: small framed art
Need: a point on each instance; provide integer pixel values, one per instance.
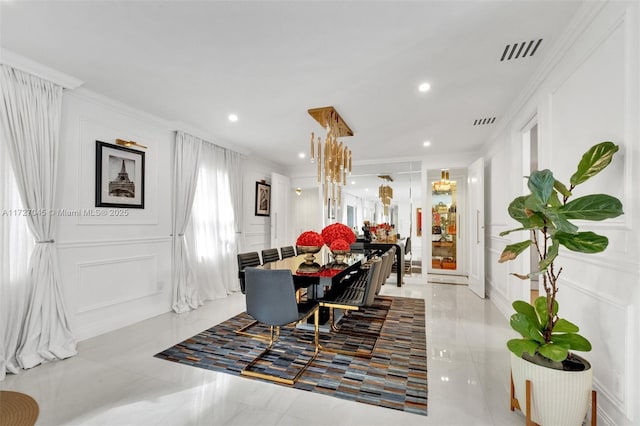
(119, 176)
(263, 199)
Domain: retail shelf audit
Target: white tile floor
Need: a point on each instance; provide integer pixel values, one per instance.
(115, 380)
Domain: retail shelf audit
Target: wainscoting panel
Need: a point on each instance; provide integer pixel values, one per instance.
(114, 283)
(111, 282)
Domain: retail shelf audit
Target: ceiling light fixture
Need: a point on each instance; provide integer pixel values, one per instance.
(444, 184)
(302, 155)
(385, 192)
(424, 87)
(426, 143)
(335, 163)
(233, 118)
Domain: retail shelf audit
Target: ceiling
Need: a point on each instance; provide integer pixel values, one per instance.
(196, 62)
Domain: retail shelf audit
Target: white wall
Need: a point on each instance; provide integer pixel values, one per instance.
(588, 92)
(256, 232)
(115, 269)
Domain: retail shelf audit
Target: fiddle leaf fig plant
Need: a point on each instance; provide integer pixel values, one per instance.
(548, 211)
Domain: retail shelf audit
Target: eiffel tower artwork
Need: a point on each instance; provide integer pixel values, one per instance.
(122, 186)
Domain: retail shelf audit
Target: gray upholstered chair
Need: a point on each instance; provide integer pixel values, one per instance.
(386, 260)
(270, 255)
(355, 296)
(245, 260)
(271, 300)
(287, 251)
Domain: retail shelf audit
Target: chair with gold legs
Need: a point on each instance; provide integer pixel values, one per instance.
(271, 300)
(357, 295)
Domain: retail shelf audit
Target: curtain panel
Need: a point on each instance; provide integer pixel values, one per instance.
(212, 231)
(186, 163)
(206, 196)
(30, 115)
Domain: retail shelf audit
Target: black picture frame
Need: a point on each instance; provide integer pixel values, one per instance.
(119, 176)
(263, 199)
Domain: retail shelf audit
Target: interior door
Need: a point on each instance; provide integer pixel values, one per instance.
(475, 240)
(280, 191)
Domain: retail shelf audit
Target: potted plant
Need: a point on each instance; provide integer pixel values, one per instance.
(544, 354)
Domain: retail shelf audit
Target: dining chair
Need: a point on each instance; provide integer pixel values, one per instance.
(386, 260)
(287, 251)
(270, 255)
(353, 297)
(245, 260)
(408, 257)
(271, 301)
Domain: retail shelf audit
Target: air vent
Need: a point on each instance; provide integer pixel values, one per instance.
(481, 121)
(520, 50)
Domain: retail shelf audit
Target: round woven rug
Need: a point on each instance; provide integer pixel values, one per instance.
(17, 409)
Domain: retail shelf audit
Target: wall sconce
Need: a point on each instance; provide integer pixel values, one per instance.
(298, 191)
(129, 143)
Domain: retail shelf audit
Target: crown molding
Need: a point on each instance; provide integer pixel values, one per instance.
(22, 63)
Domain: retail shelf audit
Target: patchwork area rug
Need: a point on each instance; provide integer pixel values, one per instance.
(394, 377)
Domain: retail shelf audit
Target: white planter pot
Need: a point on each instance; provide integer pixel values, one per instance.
(558, 398)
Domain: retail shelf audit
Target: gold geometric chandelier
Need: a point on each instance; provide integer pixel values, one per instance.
(335, 163)
(385, 192)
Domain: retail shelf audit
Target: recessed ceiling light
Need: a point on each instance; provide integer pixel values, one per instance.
(233, 118)
(426, 143)
(424, 87)
(301, 155)
(353, 182)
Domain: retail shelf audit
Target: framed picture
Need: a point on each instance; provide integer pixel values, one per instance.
(263, 199)
(119, 176)
(418, 222)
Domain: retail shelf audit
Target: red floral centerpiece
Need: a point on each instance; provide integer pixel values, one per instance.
(310, 239)
(339, 245)
(309, 242)
(338, 231)
(339, 238)
(339, 248)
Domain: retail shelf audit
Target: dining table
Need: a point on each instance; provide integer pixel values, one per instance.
(328, 274)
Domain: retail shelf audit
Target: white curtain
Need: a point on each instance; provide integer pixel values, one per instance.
(30, 112)
(211, 233)
(186, 160)
(16, 243)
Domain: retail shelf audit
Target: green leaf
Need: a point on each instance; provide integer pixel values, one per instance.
(583, 242)
(559, 221)
(552, 253)
(528, 329)
(503, 233)
(520, 212)
(541, 185)
(512, 251)
(555, 352)
(564, 326)
(528, 310)
(561, 188)
(554, 201)
(592, 207)
(519, 346)
(573, 341)
(541, 308)
(593, 161)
